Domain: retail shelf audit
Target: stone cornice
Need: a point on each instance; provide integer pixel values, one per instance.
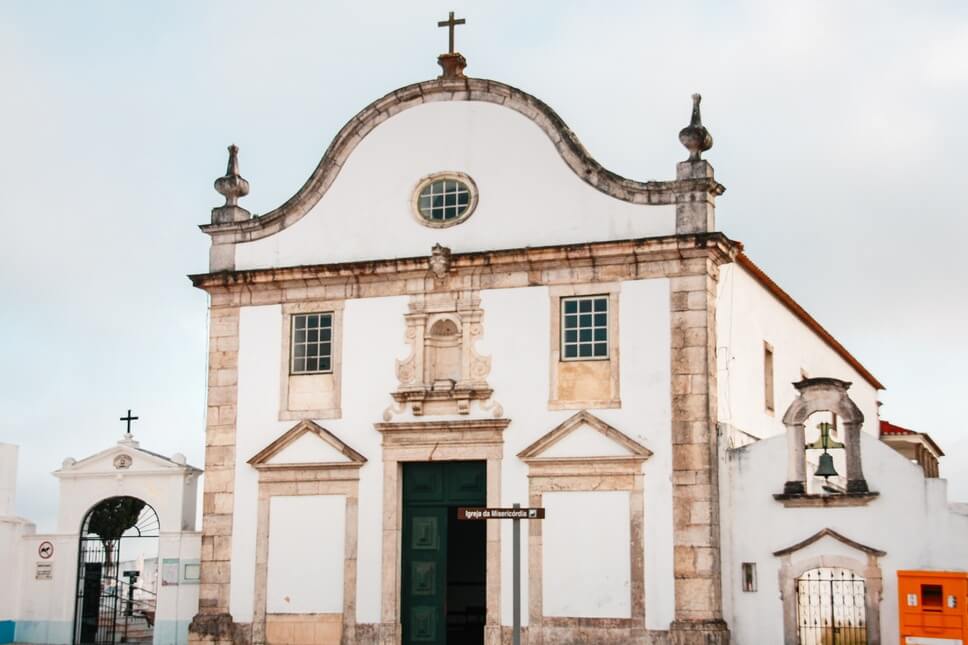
(531, 260)
(569, 147)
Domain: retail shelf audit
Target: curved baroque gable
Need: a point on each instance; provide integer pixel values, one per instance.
(465, 89)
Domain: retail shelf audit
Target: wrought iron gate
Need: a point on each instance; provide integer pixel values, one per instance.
(831, 607)
(110, 607)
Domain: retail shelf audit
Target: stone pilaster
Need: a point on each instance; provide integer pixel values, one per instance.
(697, 569)
(213, 624)
(696, 198)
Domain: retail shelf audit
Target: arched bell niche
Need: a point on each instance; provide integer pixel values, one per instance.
(823, 395)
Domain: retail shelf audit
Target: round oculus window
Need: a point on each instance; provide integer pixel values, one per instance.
(445, 199)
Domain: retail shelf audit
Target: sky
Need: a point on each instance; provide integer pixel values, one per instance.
(839, 132)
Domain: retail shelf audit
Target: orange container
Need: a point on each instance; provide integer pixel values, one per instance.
(933, 605)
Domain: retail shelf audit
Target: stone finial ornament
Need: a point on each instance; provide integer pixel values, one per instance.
(232, 185)
(695, 137)
(439, 261)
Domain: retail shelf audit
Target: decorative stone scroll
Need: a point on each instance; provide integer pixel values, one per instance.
(823, 395)
(444, 372)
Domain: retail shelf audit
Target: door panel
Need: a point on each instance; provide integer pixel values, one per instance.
(431, 494)
(424, 582)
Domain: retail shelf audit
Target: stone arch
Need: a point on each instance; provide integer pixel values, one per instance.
(866, 564)
(822, 395)
(112, 600)
(147, 510)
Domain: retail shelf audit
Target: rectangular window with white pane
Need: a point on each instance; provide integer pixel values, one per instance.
(312, 343)
(584, 328)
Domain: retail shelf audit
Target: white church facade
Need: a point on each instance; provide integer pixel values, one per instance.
(461, 308)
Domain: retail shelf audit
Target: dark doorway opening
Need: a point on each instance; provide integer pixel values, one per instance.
(466, 587)
(443, 590)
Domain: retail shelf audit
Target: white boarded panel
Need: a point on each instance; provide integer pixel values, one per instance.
(585, 441)
(586, 547)
(306, 535)
(308, 449)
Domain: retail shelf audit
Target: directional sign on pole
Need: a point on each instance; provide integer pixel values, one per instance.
(516, 514)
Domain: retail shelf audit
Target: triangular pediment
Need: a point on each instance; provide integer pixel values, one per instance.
(585, 436)
(126, 457)
(307, 444)
(830, 534)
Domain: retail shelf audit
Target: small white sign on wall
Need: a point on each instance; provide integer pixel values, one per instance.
(169, 571)
(193, 572)
(45, 571)
(924, 640)
(912, 600)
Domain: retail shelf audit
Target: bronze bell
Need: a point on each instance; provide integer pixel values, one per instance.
(826, 467)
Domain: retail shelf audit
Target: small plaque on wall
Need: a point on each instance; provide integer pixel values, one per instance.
(45, 571)
(169, 571)
(193, 572)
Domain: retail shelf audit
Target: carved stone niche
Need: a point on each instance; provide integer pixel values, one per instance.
(443, 372)
(823, 395)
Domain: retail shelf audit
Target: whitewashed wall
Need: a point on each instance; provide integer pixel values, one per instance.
(46, 611)
(12, 530)
(165, 494)
(746, 316)
(306, 548)
(516, 336)
(528, 195)
(910, 520)
(586, 559)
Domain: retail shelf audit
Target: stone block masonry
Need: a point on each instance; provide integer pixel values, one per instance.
(698, 587)
(213, 623)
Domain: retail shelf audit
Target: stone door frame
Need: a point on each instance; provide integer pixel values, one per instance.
(791, 569)
(590, 473)
(295, 479)
(418, 441)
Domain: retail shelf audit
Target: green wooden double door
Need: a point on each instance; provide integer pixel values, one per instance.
(443, 559)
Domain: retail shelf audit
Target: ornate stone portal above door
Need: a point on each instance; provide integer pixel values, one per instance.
(444, 372)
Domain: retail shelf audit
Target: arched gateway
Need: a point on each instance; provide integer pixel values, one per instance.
(117, 573)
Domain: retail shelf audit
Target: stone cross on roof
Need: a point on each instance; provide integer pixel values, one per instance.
(129, 419)
(450, 23)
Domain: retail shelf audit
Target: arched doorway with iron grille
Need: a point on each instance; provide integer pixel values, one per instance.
(831, 607)
(117, 573)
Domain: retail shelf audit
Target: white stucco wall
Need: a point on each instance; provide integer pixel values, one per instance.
(586, 558)
(528, 195)
(748, 315)
(517, 337)
(12, 531)
(910, 520)
(305, 564)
